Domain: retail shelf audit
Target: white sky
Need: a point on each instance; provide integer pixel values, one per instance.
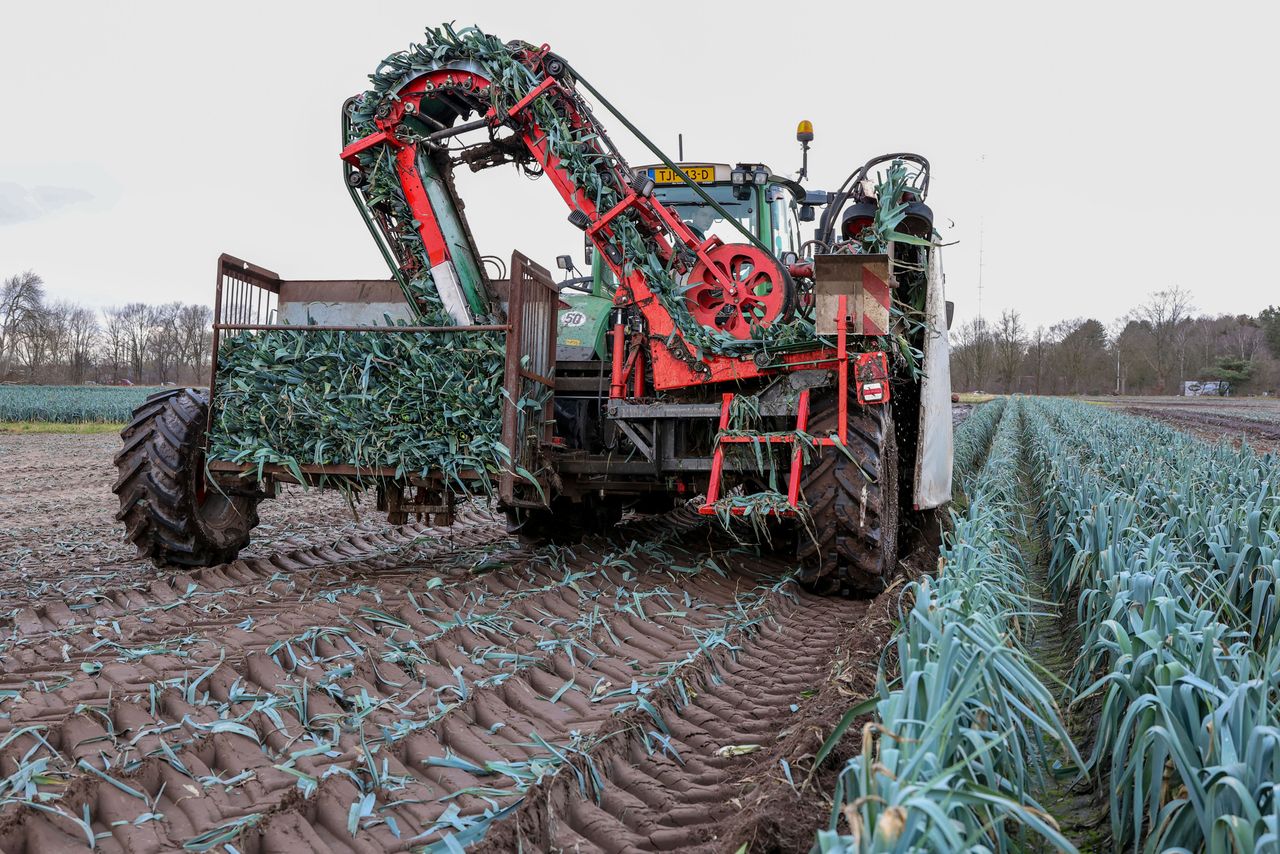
(1106, 149)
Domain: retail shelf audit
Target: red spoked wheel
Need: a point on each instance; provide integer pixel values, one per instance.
(742, 289)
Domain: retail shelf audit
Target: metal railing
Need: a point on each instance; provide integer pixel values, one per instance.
(532, 312)
(248, 300)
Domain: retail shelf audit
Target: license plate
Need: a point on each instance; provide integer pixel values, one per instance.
(697, 174)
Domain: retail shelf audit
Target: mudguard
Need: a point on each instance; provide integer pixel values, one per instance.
(932, 486)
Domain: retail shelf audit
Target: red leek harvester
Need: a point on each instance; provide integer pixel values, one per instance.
(847, 436)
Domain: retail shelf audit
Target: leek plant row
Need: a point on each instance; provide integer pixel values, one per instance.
(963, 730)
(1171, 548)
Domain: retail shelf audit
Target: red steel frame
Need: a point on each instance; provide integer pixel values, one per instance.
(627, 370)
(667, 371)
(802, 425)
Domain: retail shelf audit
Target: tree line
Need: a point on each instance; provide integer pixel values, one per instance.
(56, 341)
(1153, 349)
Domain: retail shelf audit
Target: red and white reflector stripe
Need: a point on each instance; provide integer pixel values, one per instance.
(874, 305)
(871, 392)
(871, 374)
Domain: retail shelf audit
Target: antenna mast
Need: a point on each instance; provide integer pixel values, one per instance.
(982, 228)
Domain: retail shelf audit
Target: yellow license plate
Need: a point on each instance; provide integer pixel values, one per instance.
(697, 174)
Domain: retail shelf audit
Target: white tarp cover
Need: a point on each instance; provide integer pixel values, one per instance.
(933, 462)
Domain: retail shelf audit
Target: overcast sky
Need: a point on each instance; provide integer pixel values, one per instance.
(1101, 150)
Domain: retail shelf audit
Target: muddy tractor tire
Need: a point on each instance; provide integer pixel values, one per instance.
(169, 514)
(850, 541)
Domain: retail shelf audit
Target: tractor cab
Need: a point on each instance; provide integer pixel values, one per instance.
(763, 204)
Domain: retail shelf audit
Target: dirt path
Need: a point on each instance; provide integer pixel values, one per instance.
(1078, 803)
(358, 687)
(1214, 427)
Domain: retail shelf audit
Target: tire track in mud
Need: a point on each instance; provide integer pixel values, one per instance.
(720, 760)
(49, 608)
(59, 537)
(384, 692)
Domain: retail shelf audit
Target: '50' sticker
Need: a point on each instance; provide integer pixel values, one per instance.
(573, 318)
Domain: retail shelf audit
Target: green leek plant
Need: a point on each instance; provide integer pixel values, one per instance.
(962, 734)
(1169, 546)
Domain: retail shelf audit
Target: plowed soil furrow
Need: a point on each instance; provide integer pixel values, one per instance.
(1215, 426)
(405, 549)
(691, 774)
(59, 537)
(280, 700)
(353, 686)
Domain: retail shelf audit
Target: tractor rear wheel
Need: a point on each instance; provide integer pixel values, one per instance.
(170, 514)
(850, 542)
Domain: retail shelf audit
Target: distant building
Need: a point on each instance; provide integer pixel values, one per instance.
(1206, 388)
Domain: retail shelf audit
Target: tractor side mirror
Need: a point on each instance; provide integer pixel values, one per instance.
(564, 262)
(588, 252)
(807, 213)
(951, 312)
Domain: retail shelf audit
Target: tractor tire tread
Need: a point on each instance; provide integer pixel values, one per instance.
(851, 543)
(157, 481)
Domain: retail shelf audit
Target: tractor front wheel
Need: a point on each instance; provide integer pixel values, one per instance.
(170, 513)
(849, 543)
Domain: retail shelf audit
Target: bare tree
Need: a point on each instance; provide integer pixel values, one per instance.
(1009, 340)
(1080, 356)
(167, 344)
(1116, 340)
(1038, 347)
(195, 324)
(21, 301)
(33, 340)
(1243, 336)
(1164, 314)
(57, 332)
(137, 329)
(82, 339)
(974, 354)
(114, 340)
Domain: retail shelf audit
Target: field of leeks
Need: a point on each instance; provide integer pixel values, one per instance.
(1168, 550)
(1170, 546)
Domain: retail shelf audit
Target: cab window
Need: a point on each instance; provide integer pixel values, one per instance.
(786, 226)
(705, 220)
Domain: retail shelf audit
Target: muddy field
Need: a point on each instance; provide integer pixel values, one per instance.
(1236, 419)
(349, 686)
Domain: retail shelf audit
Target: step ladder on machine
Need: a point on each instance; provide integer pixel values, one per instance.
(872, 386)
(797, 457)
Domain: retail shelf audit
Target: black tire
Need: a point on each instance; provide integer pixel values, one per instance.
(168, 514)
(850, 544)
